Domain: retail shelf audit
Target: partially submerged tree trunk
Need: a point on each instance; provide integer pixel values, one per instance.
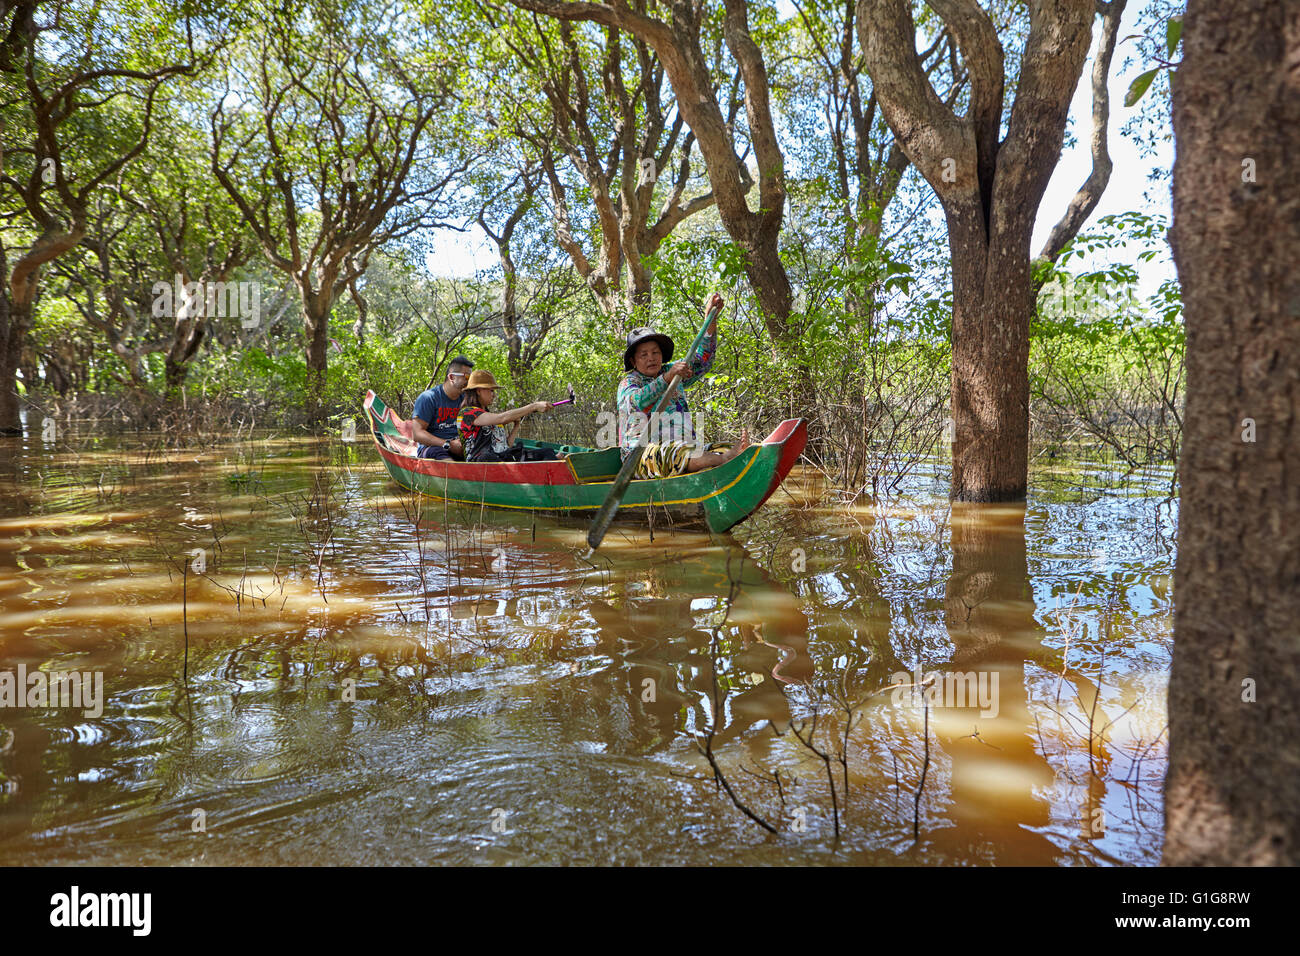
(1232, 790)
(992, 305)
(13, 329)
(316, 308)
(990, 190)
(19, 297)
(12, 333)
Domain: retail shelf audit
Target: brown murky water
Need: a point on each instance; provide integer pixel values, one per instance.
(304, 664)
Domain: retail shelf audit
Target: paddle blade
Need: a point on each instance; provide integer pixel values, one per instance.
(605, 516)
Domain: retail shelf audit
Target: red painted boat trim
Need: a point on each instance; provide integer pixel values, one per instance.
(504, 473)
(795, 437)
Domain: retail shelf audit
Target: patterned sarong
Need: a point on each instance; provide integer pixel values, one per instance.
(667, 459)
(663, 460)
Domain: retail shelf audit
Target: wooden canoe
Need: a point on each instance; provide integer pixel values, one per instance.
(717, 498)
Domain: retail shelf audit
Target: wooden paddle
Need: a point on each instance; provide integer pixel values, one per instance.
(605, 516)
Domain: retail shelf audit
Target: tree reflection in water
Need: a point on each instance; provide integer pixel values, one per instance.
(658, 634)
(994, 762)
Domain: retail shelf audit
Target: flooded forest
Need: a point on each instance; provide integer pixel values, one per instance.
(756, 432)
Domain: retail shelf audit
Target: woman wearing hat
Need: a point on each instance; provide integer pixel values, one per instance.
(480, 427)
(673, 450)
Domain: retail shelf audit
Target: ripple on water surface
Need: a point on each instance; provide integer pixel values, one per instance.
(343, 685)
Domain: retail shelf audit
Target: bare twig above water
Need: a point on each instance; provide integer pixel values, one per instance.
(925, 766)
(810, 743)
(706, 748)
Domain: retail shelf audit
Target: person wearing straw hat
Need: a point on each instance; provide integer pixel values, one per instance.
(671, 447)
(481, 428)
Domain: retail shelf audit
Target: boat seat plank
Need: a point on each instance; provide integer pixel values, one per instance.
(598, 465)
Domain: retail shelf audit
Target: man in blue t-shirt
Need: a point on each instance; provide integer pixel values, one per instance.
(435, 414)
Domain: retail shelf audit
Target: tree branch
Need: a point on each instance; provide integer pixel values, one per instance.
(1089, 194)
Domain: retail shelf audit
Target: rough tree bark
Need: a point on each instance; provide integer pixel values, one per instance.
(1234, 691)
(16, 304)
(990, 190)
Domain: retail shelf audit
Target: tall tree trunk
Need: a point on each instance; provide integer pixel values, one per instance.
(990, 187)
(767, 275)
(992, 305)
(510, 311)
(363, 311)
(175, 372)
(1234, 690)
(16, 303)
(316, 326)
(188, 332)
(638, 275)
(14, 324)
(29, 365)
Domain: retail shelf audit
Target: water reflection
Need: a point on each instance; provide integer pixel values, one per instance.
(657, 637)
(370, 676)
(989, 613)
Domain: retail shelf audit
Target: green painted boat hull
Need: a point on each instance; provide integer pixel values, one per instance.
(716, 498)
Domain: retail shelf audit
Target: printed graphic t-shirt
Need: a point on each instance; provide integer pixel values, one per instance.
(434, 407)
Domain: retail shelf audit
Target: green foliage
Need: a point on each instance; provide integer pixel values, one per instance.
(1173, 34)
(1105, 364)
(1141, 83)
(1139, 86)
(868, 357)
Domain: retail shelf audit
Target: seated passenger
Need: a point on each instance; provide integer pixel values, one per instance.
(434, 419)
(480, 427)
(672, 451)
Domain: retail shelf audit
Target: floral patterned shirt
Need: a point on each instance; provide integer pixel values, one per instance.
(638, 393)
(479, 438)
